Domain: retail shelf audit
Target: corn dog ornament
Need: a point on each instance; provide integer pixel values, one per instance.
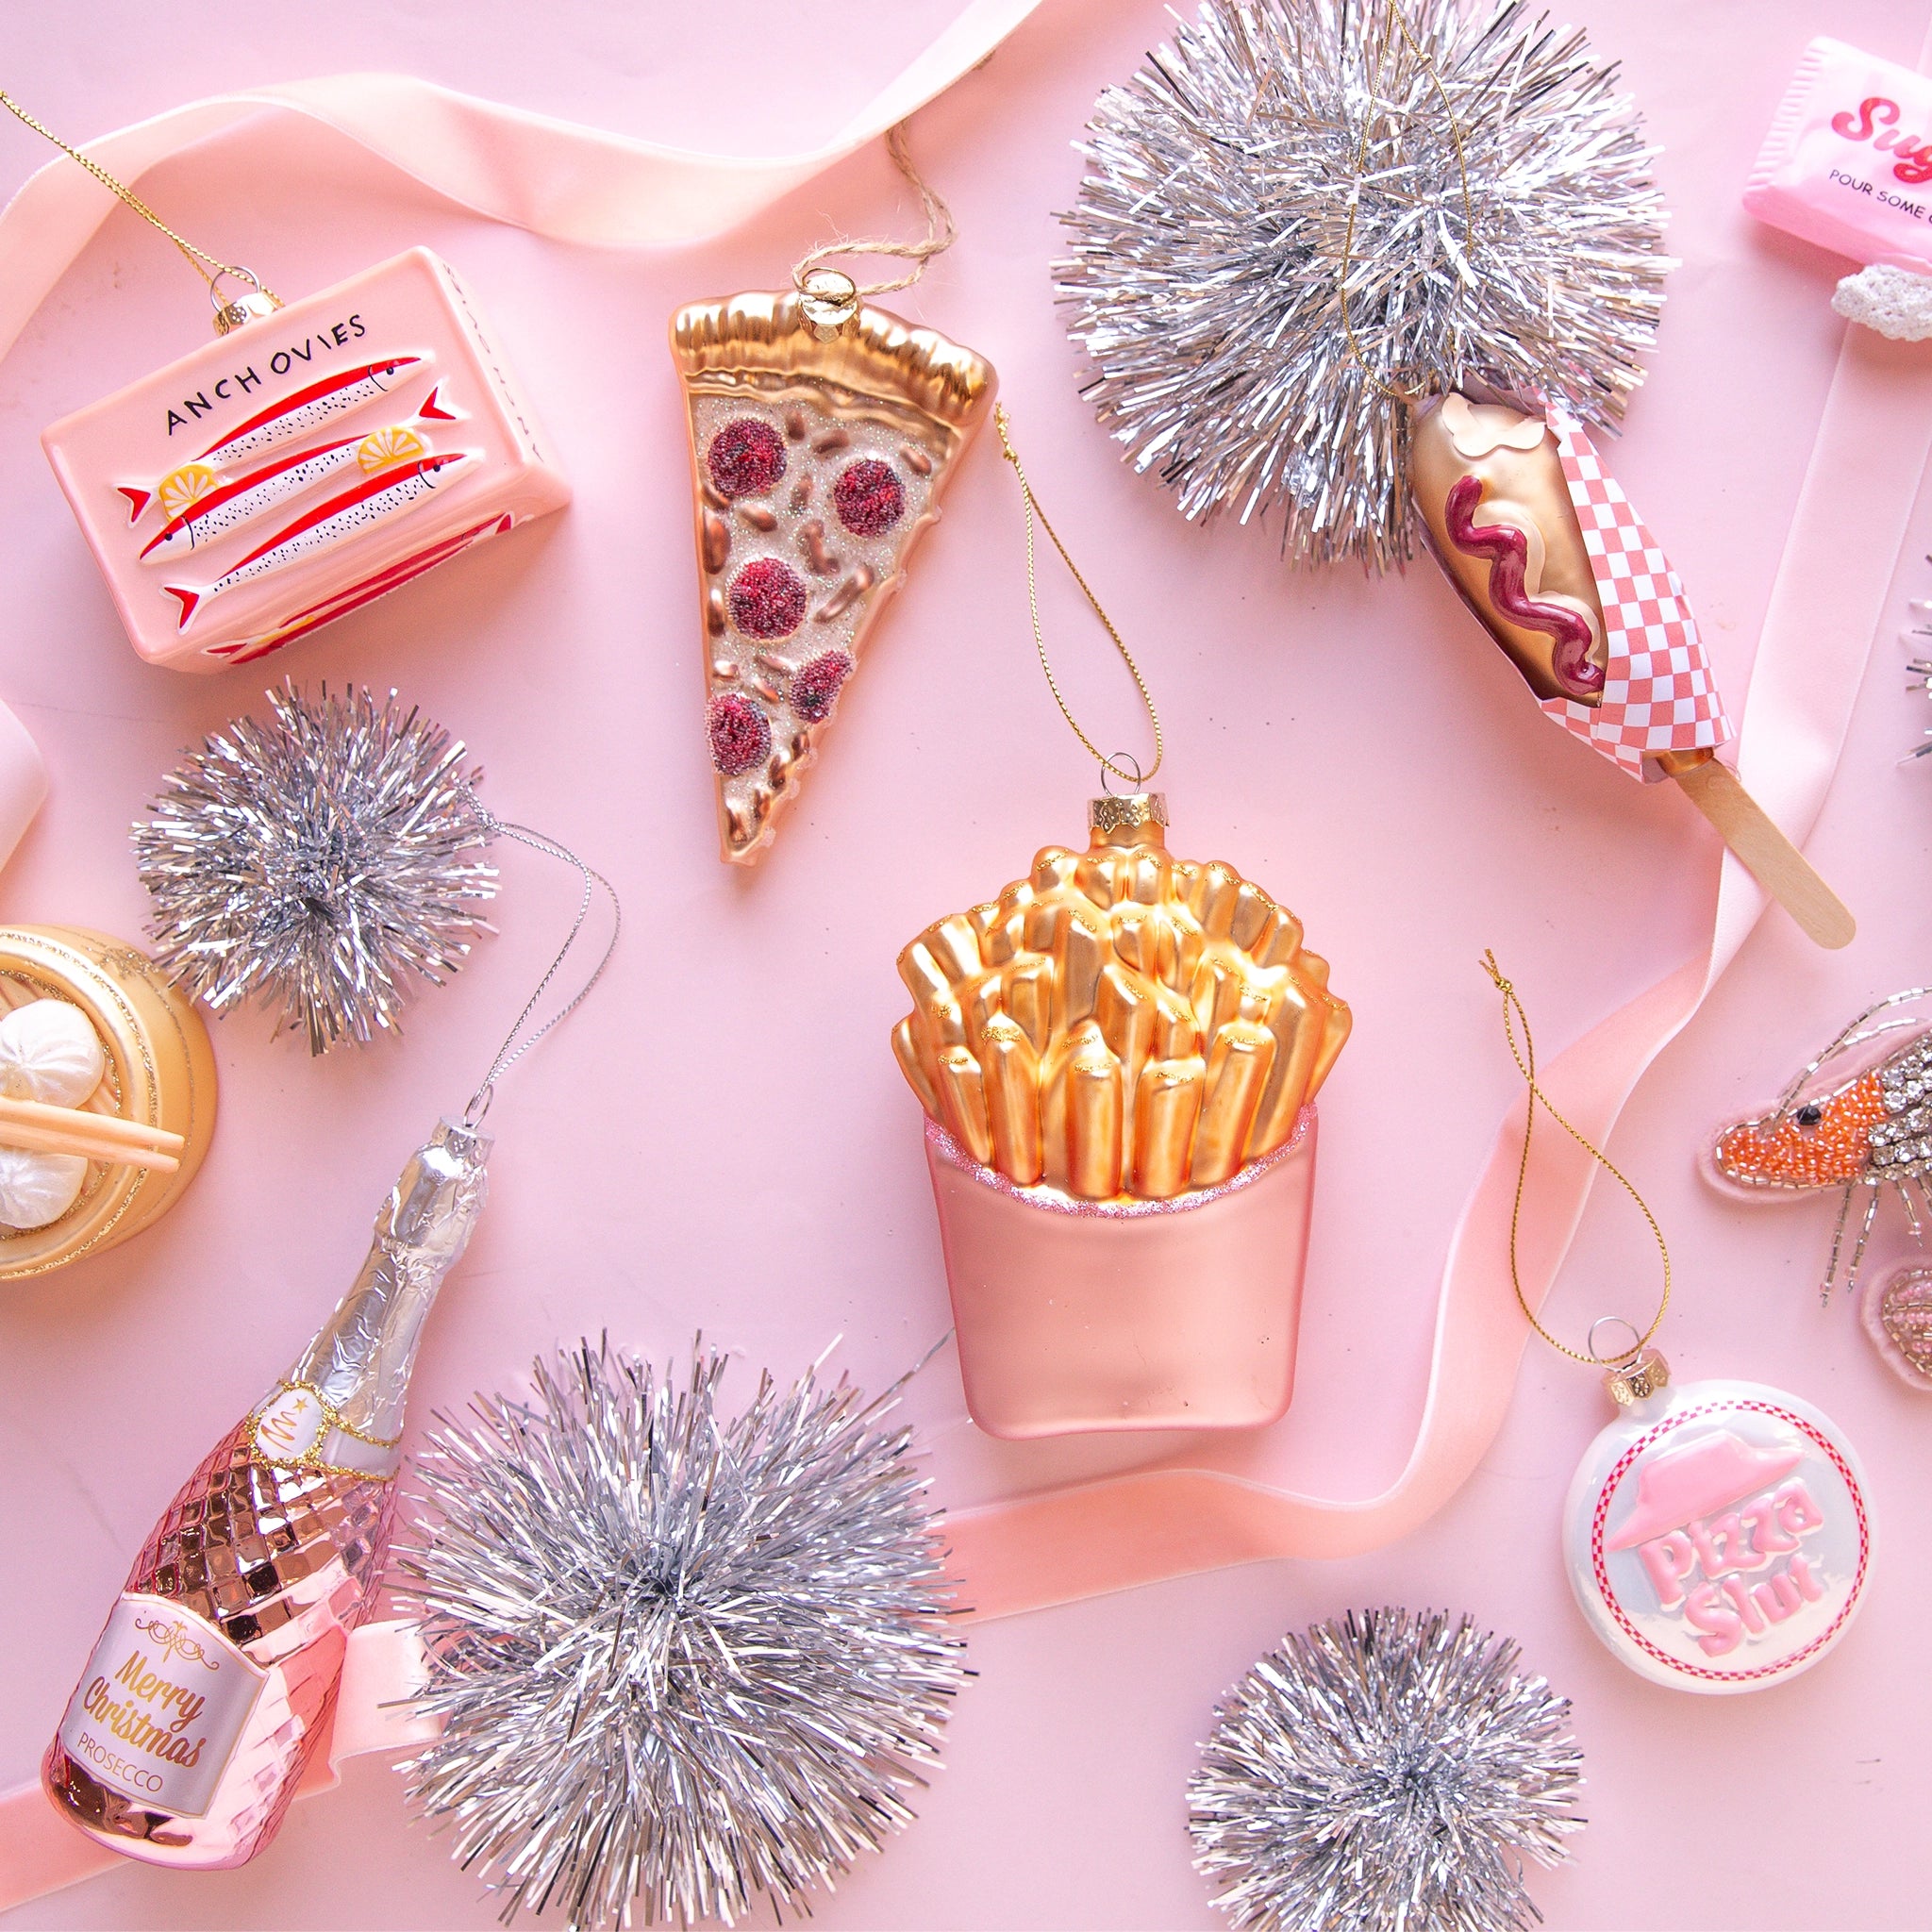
(822, 433)
(1378, 267)
(1117, 1056)
(315, 456)
(1718, 1535)
(1553, 562)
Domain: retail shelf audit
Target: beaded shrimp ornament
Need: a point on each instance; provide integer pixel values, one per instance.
(1872, 1130)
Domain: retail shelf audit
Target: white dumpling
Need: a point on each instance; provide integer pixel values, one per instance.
(36, 1189)
(49, 1051)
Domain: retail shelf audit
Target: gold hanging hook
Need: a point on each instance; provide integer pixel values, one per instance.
(1139, 780)
(228, 314)
(1525, 1058)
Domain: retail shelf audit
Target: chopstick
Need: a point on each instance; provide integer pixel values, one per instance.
(42, 1129)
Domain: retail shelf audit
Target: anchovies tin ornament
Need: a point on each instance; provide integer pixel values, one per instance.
(303, 465)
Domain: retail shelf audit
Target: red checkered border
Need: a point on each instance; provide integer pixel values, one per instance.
(1600, 1568)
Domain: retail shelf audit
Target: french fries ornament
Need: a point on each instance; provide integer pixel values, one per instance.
(1118, 1058)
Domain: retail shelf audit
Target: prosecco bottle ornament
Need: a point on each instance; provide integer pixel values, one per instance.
(1716, 1534)
(1118, 1058)
(823, 434)
(214, 1680)
(316, 456)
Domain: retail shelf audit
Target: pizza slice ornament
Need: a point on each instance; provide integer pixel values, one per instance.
(822, 433)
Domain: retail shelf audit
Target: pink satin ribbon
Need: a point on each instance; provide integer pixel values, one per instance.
(554, 178)
(1184, 1514)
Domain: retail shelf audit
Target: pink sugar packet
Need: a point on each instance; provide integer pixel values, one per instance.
(1847, 164)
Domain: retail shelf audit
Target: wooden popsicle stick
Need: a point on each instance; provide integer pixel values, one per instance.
(38, 1129)
(1772, 860)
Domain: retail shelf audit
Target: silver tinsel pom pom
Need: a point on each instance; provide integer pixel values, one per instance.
(1506, 235)
(320, 862)
(681, 1661)
(1387, 1772)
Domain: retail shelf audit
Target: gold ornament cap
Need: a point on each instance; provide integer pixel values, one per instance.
(1107, 813)
(828, 298)
(1639, 1378)
(258, 302)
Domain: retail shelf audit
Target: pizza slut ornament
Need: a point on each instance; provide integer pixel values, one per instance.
(1718, 1533)
(822, 437)
(1718, 1536)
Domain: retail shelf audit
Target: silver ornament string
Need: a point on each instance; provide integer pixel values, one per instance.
(1305, 211)
(682, 1660)
(1387, 1772)
(514, 1047)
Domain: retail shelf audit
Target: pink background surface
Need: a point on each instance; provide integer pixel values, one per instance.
(722, 1141)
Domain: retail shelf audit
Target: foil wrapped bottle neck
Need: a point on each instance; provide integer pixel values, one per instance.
(432, 1209)
(358, 1368)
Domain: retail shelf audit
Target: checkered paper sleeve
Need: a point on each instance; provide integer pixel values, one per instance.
(1658, 691)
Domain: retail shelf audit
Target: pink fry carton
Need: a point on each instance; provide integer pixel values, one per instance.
(304, 465)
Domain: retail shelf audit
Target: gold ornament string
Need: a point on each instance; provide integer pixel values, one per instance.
(839, 291)
(197, 258)
(1137, 779)
(1525, 1058)
(1396, 22)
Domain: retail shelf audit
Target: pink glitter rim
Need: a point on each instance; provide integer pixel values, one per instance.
(1056, 1202)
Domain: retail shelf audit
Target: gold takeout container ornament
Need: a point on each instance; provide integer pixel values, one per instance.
(160, 1073)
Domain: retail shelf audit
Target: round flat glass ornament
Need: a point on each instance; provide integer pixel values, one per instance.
(1718, 1536)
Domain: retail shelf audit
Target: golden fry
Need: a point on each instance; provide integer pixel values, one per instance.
(923, 979)
(1012, 1100)
(1055, 1140)
(1219, 984)
(1296, 1023)
(906, 1047)
(1127, 1013)
(1217, 889)
(1029, 998)
(954, 946)
(1095, 1107)
(1167, 1103)
(1238, 1065)
(962, 1099)
(1253, 910)
(1281, 944)
(1334, 1038)
(1081, 947)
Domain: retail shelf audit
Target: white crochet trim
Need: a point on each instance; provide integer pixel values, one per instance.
(1894, 301)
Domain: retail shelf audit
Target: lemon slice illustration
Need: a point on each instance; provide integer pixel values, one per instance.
(382, 447)
(180, 489)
